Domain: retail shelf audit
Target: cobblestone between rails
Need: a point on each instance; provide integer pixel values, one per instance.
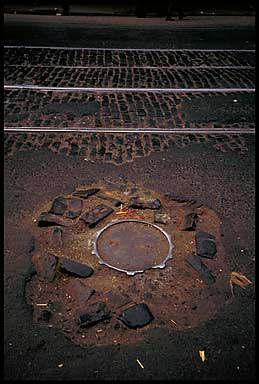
(31, 108)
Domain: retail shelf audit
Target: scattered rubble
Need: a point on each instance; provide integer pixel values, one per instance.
(62, 297)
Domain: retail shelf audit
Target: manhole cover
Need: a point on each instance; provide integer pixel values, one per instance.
(132, 246)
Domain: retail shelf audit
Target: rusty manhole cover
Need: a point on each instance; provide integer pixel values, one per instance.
(133, 246)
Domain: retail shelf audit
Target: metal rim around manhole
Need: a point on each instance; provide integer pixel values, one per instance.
(114, 265)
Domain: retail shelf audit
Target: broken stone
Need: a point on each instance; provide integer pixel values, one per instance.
(200, 267)
(57, 235)
(84, 193)
(75, 268)
(189, 222)
(137, 316)
(205, 245)
(112, 200)
(47, 219)
(59, 206)
(78, 290)
(161, 217)
(178, 199)
(45, 265)
(144, 203)
(92, 217)
(95, 313)
(118, 299)
(75, 207)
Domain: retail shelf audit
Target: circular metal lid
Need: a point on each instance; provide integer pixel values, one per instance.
(132, 246)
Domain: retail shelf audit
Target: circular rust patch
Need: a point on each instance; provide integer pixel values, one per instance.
(179, 296)
(133, 246)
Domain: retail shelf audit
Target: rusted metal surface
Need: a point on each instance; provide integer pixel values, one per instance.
(133, 246)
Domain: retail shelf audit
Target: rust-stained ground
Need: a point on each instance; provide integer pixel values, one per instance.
(180, 298)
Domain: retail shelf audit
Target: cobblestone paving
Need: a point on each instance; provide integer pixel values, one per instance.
(130, 77)
(116, 148)
(31, 108)
(115, 58)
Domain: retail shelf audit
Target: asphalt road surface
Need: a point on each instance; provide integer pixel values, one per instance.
(165, 106)
(130, 32)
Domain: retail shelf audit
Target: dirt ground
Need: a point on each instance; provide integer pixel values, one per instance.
(223, 182)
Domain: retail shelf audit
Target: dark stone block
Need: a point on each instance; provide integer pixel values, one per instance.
(45, 265)
(59, 206)
(57, 237)
(75, 207)
(137, 316)
(144, 203)
(200, 267)
(47, 219)
(92, 217)
(93, 314)
(75, 268)
(85, 193)
(189, 222)
(112, 200)
(205, 245)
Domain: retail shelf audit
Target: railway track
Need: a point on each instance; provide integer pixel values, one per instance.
(129, 90)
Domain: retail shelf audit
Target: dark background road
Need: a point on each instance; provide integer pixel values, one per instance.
(217, 170)
(200, 32)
